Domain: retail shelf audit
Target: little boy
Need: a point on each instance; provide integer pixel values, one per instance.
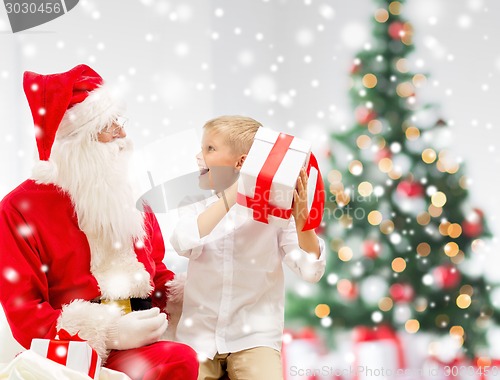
(233, 310)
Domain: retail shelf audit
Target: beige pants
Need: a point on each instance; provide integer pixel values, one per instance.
(259, 363)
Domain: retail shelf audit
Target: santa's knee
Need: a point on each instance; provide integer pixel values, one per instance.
(187, 355)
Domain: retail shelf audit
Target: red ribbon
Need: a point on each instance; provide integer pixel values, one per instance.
(260, 202)
(306, 333)
(58, 350)
(93, 364)
(368, 334)
(64, 335)
(318, 204)
(457, 362)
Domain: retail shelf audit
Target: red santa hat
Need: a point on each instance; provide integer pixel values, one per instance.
(68, 103)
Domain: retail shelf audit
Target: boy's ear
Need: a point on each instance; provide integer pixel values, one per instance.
(240, 161)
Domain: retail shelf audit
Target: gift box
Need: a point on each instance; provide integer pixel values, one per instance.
(456, 369)
(416, 350)
(268, 179)
(446, 360)
(70, 351)
(300, 353)
(333, 366)
(378, 353)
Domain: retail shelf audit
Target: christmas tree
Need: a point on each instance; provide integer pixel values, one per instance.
(399, 225)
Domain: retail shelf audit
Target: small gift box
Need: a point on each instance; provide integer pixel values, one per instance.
(300, 353)
(456, 369)
(446, 360)
(378, 353)
(268, 178)
(70, 351)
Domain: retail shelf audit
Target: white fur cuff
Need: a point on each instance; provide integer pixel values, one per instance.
(91, 321)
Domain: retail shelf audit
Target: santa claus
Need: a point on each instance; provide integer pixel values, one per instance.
(76, 254)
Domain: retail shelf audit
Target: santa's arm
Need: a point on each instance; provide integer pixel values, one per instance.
(23, 284)
(162, 274)
(24, 292)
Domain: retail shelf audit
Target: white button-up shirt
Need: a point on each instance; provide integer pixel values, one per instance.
(234, 292)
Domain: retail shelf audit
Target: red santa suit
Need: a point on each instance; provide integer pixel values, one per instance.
(53, 276)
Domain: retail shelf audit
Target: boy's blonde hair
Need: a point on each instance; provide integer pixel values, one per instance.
(237, 131)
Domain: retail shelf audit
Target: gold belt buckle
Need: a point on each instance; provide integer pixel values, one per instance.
(122, 304)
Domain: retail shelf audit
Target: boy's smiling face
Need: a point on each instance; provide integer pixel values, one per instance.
(217, 162)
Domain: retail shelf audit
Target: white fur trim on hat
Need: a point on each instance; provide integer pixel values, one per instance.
(44, 172)
(91, 321)
(82, 121)
(97, 111)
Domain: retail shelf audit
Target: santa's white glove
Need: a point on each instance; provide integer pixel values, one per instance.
(137, 329)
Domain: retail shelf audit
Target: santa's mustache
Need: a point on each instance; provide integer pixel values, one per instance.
(117, 146)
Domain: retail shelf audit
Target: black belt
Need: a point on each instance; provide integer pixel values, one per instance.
(129, 304)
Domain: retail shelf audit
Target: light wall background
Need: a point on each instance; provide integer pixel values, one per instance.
(283, 62)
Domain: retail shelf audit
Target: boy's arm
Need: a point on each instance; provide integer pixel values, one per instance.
(303, 251)
(304, 264)
(184, 237)
(196, 223)
(209, 218)
(308, 241)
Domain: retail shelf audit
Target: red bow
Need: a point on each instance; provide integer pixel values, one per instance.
(64, 335)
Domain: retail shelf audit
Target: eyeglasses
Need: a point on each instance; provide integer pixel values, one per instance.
(115, 129)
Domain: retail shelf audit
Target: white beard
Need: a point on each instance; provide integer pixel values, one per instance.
(96, 177)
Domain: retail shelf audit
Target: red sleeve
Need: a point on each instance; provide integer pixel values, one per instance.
(23, 284)
(162, 274)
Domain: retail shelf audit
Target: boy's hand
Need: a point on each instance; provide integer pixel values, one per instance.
(300, 211)
(308, 240)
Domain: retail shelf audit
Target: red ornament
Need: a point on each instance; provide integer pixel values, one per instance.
(371, 249)
(401, 292)
(396, 30)
(472, 226)
(356, 67)
(472, 230)
(382, 153)
(306, 333)
(347, 289)
(446, 276)
(410, 189)
(364, 115)
(320, 229)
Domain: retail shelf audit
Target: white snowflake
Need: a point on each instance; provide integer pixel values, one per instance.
(326, 11)
(304, 37)
(24, 230)
(464, 21)
(11, 275)
(326, 322)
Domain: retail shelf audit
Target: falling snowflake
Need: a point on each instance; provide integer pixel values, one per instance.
(24, 230)
(11, 275)
(263, 87)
